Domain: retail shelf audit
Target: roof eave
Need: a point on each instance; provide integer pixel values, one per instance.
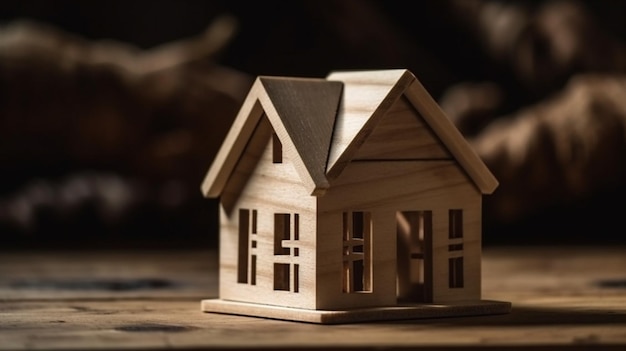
(234, 144)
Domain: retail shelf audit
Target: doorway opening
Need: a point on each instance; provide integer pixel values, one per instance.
(414, 256)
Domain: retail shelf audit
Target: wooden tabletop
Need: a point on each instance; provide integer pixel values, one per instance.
(570, 298)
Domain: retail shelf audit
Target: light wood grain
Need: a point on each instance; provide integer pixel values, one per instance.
(365, 100)
(368, 96)
(357, 315)
(103, 275)
(451, 137)
(301, 112)
(324, 167)
(564, 298)
(402, 135)
(269, 188)
(385, 188)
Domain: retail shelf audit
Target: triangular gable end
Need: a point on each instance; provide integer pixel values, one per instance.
(360, 113)
(367, 95)
(302, 113)
(451, 137)
(402, 134)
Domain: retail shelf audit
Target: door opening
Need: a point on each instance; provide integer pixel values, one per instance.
(414, 256)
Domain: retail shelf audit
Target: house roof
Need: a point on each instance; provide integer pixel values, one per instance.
(366, 98)
(302, 112)
(325, 121)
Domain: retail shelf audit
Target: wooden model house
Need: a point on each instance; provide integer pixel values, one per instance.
(350, 198)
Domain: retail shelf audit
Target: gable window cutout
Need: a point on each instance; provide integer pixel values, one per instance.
(277, 149)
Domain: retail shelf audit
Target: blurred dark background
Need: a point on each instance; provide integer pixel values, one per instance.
(111, 112)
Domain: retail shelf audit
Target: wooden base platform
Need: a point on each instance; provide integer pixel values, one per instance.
(417, 311)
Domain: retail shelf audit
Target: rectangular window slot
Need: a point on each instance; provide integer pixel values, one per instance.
(358, 283)
(357, 225)
(455, 264)
(455, 224)
(281, 276)
(296, 251)
(455, 272)
(357, 248)
(253, 270)
(253, 244)
(242, 254)
(296, 226)
(281, 232)
(277, 149)
(253, 221)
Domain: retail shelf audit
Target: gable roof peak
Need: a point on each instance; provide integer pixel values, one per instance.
(368, 95)
(323, 123)
(366, 98)
(302, 112)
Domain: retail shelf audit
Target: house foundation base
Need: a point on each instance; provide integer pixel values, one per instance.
(416, 311)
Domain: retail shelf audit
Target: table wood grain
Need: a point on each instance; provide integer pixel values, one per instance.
(564, 298)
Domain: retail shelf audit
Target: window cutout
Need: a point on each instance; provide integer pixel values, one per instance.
(253, 221)
(357, 225)
(285, 243)
(455, 231)
(277, 149)
(455, 272)
(281, 276)
(253, 244)
(242, 254)
(281, 232)
(455, 224)
(357, 262)
(296, 226)
(358, 281)
(253, 270)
